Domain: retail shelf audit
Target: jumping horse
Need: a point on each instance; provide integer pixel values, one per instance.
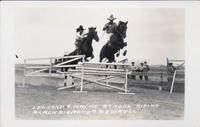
(115, 43)
(85, 49)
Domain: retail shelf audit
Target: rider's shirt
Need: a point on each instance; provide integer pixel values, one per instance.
(79, 36)
(133, 68)
(140, 68)
(110, 27)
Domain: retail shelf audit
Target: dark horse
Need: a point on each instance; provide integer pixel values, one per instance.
(115, 43)
(85, 48)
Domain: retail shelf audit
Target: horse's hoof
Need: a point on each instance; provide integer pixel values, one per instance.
(117, 55)
(124, 54)
(125, 43)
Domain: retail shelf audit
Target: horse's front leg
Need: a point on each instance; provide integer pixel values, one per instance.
(118, 53)
(122, 45)
(125, 44)
(125, 52)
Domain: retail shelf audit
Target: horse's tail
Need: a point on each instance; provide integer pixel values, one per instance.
(103, 52)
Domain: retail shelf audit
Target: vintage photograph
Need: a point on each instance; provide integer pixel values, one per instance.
(106, 63)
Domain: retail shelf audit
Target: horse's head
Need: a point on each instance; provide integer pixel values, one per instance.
(93, 33)
(122, 28)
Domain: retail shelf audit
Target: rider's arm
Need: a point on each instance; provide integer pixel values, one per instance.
(84, 35)
(78, 37)
(105, 27)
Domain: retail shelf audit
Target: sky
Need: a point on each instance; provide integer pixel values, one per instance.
(153, 34)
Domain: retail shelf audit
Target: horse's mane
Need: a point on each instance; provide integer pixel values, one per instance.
(88, 40)
(89, 33)
(118, 29)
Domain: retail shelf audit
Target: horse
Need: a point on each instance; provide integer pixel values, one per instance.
(115, 43)
(85, 48)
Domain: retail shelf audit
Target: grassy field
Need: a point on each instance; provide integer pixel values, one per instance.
(40, 98)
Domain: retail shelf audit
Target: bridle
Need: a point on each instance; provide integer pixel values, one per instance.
(121, 30)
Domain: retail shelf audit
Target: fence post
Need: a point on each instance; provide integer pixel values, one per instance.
(24, 75)
(107, 75)
(82, 73)
(167, 61)
(126, 80)
(172, 86)
(50, 66)
(65, 80)
(161, 82)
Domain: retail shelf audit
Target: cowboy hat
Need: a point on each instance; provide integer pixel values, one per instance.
(111, 17)
(90, 28)
(80, 28)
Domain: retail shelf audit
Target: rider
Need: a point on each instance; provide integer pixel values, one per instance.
(111, 26)
(80, 36)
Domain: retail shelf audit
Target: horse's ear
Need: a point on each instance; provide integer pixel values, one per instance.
(126, 22)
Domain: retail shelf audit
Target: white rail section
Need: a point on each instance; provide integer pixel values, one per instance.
(109, 71)
(37, 69)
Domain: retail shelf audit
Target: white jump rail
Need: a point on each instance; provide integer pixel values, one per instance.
(48, 67)
(79, 73)
(85, 69)
(110, 73)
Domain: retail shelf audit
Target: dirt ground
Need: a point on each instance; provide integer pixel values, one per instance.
(41, 100)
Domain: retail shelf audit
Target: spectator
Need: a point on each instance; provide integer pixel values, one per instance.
(170, 71)
(133, 69)
(140, 69)
(146, 69)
